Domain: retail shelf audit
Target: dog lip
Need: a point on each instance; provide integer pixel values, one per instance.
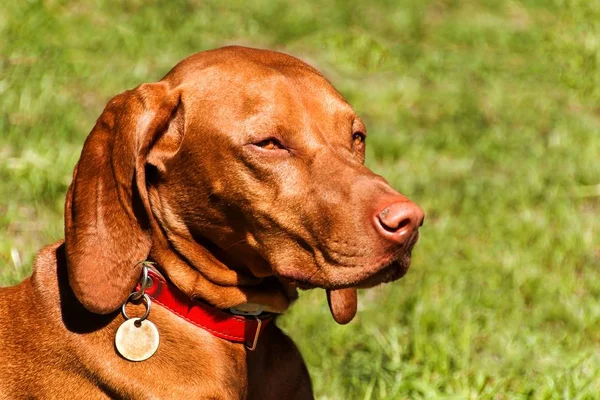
(387, 271)
(390, 272)
(383, 270)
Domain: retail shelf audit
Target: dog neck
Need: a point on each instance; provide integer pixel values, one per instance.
(196, 273)
(236, 325)
(188, 262)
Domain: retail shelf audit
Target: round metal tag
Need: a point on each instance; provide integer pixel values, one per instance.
(137, 343)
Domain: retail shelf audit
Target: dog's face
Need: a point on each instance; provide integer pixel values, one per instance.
(262, 165)
(275, 172)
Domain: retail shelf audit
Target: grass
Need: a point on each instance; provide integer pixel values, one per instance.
(484, 112)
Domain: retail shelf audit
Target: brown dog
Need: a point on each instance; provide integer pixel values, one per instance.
(240, 175)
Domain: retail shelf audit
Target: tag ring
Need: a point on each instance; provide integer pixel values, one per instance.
(147, 302)
(145, 282)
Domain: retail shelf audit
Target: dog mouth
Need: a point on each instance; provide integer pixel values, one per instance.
(387, 271)
(390, 272)
(342, 293)
(362, 273)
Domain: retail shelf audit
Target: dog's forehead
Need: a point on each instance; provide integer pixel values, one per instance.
(231, 58)
(246, 72)
(248, 91)
(250, 79)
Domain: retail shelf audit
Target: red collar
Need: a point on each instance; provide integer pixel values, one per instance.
(227, 326)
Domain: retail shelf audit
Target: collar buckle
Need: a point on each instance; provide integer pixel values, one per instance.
(247, 310)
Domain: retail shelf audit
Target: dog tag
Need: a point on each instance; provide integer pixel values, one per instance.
(137, 342)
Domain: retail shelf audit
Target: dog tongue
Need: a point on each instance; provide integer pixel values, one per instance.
(342, 303)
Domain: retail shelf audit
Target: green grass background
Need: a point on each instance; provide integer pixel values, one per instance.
(486, 113)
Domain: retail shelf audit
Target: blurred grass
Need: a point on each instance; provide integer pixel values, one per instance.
(487, 113)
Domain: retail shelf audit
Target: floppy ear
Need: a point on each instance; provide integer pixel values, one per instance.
(107, 226)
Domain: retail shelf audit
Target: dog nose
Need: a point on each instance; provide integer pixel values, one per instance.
(398, 221)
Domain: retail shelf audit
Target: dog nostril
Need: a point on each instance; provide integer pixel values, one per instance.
(391, 225)
(422, 221)
(399, 219)
(402, 224)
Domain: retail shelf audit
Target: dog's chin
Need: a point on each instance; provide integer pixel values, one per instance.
(393, 271)
(342, 297)
(386, 272)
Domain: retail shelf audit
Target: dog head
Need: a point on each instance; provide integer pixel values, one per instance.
(242, 173)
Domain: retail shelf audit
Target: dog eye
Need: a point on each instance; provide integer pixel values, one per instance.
(269, 144)
(358, 138)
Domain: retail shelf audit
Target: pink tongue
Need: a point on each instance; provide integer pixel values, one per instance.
(342, 303)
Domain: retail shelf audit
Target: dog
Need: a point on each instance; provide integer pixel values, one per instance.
(199, 206)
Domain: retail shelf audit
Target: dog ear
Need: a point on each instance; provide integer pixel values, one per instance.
(107, 226)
